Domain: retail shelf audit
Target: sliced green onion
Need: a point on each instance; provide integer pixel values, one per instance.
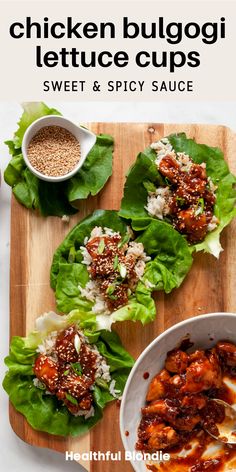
(101, 383)
(122, 270)
(66, 372)
(180, 200)
(71, 399)
(77, 343)
(101, 246)
(124, 240)
(77, 368)
(116, 262)
(167, 181)
(200, 207)
(113, 297)
(149, 186)
(110, 290)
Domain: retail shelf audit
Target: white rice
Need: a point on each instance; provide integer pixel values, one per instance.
(212, 186)
(137, 250)
(65, 219)
(86, 413)
(98, 232)
(114, 392)
(148, 284)
(158, 203)
(87, 259)
(100, 306)
(140, 268)
(47, 344)
(184, 161)
(92, 293)
(213, 224)
(162, 148)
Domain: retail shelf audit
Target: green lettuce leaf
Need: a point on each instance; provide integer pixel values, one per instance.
(144, 174)
(95, 171)
(172, 256)
(44, 412)
(171, 261)
(56, 199)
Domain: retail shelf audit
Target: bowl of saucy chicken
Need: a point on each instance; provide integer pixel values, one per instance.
(168, 403)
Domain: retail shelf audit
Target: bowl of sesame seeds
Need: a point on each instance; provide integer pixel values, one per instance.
(54, 148)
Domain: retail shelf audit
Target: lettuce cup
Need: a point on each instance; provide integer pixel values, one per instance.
(184, 184)
(109, 272)
(60, 377)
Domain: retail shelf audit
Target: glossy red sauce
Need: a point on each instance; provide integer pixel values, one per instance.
(66, 373)
(192, 201)
(112, 268)
(179, 407)
(146, 375)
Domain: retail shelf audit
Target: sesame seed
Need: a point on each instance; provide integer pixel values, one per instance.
(54, 151)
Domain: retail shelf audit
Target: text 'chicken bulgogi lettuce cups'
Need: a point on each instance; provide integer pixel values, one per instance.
(61, 377)
(184, 184)
(106, 271)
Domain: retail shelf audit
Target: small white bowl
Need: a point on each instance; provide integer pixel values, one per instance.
(204, 331)
(86, 138)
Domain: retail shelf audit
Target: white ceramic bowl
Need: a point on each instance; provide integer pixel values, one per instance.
(86, 138)
(204, 331)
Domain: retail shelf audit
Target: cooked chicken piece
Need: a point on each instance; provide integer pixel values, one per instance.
(194, 402)
(46, 370)
(157, 386)
(163, 409)
(176, 361)
(158, 407)
(169, 168)
(87, 360)
(197, 356)
(86, 402)
(227, 353)
(93, 245)
(65, 347)
(203, 374)
(74, 385)
(191, 189)
(209, 199)
(187, 423)
(195, 226)
(198, 171)
(161, 437)
(76, 406)
(176, 381)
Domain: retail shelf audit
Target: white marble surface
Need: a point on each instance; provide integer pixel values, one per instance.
(15, 454)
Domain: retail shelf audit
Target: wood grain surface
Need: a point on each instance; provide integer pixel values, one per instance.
(209, 287)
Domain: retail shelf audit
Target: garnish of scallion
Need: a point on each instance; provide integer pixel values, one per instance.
(101, 246)
(71, 399)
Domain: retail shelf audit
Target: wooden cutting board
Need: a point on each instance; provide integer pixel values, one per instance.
(209, 287)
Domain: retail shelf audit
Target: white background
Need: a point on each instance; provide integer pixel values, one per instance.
(16, 455)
